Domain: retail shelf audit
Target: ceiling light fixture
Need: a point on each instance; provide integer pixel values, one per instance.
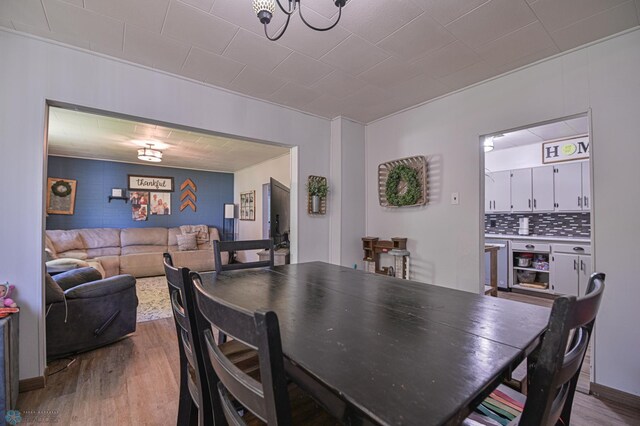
(150, 154)
(488, 143)
(266, 8)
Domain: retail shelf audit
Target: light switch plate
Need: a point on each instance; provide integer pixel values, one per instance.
(455, 198)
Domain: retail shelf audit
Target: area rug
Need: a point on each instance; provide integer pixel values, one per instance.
(153, 299)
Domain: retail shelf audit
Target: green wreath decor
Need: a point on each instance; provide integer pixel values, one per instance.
(61, 188)
(408, 175)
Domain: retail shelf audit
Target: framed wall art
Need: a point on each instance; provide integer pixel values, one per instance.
(150, 183)
(248, 205)
(159, 203)
(61, 196)
(139, 205)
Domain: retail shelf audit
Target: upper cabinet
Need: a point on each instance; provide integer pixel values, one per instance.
(543, 189)
(586, 186)
(521, 187)
(498, 192)
(567, 185)
(560, 188)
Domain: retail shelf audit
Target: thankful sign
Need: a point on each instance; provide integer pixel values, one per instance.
(565, 150)
(151, 183)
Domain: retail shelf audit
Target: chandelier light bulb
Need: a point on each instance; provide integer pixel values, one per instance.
(264, 9)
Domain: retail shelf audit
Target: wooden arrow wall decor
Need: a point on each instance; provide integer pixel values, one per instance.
(188, 196)
(186, 204)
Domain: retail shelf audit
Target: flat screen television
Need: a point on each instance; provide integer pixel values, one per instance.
(279, 213)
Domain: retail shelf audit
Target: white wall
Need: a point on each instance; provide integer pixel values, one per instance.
(346, 196)
(445, 240)
(34, 71)
(251, 179)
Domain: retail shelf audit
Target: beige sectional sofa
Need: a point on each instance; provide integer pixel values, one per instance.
(135, 251)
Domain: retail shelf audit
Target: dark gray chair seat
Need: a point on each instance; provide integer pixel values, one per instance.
(85, 311)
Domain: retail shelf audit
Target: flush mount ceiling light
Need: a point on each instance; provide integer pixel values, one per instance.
(150, 154)
(488, 143)
(266, 8)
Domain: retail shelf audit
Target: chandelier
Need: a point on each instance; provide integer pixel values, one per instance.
(150, 154)
(266, 8)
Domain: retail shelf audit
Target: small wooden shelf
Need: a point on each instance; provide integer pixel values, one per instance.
(520, 268)
(526, 287)
(126, 199)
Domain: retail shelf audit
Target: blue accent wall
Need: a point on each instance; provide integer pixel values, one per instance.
(96, 178)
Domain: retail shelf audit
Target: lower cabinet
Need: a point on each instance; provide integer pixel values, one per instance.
(570, 272)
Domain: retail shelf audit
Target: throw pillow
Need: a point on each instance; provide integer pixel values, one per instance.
(73, 254)
(187, 241)
(67, 263)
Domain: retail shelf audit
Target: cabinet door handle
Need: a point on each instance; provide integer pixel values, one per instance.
(575, 264)
(579, 201)
(534, 203)
(586, 201)
(582, 265)
(529, 202)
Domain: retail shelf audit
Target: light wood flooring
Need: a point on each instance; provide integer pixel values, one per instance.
(135, 382)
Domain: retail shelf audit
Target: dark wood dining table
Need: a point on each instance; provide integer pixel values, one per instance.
(381, 350)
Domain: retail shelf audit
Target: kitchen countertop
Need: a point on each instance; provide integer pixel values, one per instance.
(583, 240)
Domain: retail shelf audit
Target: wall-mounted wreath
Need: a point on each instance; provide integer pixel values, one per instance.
(403, 182)
(403, 186)
(61, 188)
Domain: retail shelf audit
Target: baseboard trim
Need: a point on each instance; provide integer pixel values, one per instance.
(33, 383)
(615, 395)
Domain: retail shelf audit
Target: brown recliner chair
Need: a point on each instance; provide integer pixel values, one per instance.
(85, 311)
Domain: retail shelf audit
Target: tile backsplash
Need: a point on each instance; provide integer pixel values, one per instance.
(543, 224)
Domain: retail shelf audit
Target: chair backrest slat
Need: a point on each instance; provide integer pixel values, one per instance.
(234, 246)
(557, 367)
(186, 315)
(267, 400)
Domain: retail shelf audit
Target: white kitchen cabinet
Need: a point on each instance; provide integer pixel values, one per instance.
(498, 192)
(543, 189)
(521, 199)
(570, 268)
(584, 273)
(567, 185)
(586, 186)
(564, 274)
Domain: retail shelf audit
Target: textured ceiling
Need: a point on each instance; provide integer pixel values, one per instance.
(80, 134)
(557, 130)
(386, 55)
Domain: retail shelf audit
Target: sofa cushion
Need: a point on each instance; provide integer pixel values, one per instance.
(142, 264)
(143, 236)
(111, 265)
(105, 251)
(70, 279)
(48, 244)
(195, 260)
(101, 288)
(49, 255)
(73, 254)
(100, 237)
(66, 240)
(143, 249)
(187, 242)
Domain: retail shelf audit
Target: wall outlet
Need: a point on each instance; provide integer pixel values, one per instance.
(455, 198)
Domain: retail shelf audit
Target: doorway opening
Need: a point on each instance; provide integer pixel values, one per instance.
(537, 210)
(120, 191)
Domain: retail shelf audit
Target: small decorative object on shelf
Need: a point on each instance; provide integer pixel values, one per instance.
(373, 247)
(403, 183)
(318, 188)
(118, 194)
(5, 292)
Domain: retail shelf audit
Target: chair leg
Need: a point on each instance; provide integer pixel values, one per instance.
(187, 409)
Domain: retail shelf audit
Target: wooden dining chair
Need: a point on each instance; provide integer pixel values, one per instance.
(235, 246)
(556, 367)
(196, 404)
(264, 395)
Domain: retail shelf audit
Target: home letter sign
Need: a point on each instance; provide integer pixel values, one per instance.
(565, 150)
